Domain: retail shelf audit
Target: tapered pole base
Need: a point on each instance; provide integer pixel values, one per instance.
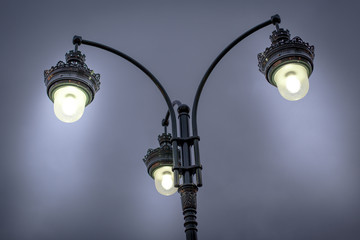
(189, 203)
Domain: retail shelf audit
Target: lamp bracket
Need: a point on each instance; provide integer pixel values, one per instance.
(189, 140)
(192, 169)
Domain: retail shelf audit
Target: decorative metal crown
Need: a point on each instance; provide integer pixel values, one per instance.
(284, 49)
(161, 156)
(75, 56)
(73, 72)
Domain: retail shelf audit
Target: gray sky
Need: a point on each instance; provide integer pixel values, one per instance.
(273, 169)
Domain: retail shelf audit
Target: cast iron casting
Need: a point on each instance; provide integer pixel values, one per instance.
(73, 72)
(161, 156)
(284, 50)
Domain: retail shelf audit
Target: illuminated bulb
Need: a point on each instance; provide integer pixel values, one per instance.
(293, 84)
(164, 180)
(292, 81)
(69, 103)
(167, 181)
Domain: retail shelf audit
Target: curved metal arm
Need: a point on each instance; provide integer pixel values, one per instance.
(274, 20)
(165, 121)
(77, 40)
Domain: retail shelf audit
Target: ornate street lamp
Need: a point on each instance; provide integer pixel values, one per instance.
(287, 64)
(71, 86)
(159, 163)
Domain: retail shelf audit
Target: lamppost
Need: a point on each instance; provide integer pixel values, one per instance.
(71, 85)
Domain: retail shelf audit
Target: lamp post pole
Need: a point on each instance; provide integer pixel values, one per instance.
(185, 170)
(188, 189)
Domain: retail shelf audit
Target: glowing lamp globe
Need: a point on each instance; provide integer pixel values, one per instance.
(287, 64)
(164, 180)
(292, 81)
(71, 86)
(69, 103)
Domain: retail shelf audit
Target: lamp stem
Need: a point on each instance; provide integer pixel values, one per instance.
(165, 121)
(277, 27)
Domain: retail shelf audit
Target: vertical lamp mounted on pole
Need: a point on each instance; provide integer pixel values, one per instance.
(159, 163)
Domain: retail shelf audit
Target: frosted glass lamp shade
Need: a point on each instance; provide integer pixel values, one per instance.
(164, 180)
(292, 81)
(69, 103)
